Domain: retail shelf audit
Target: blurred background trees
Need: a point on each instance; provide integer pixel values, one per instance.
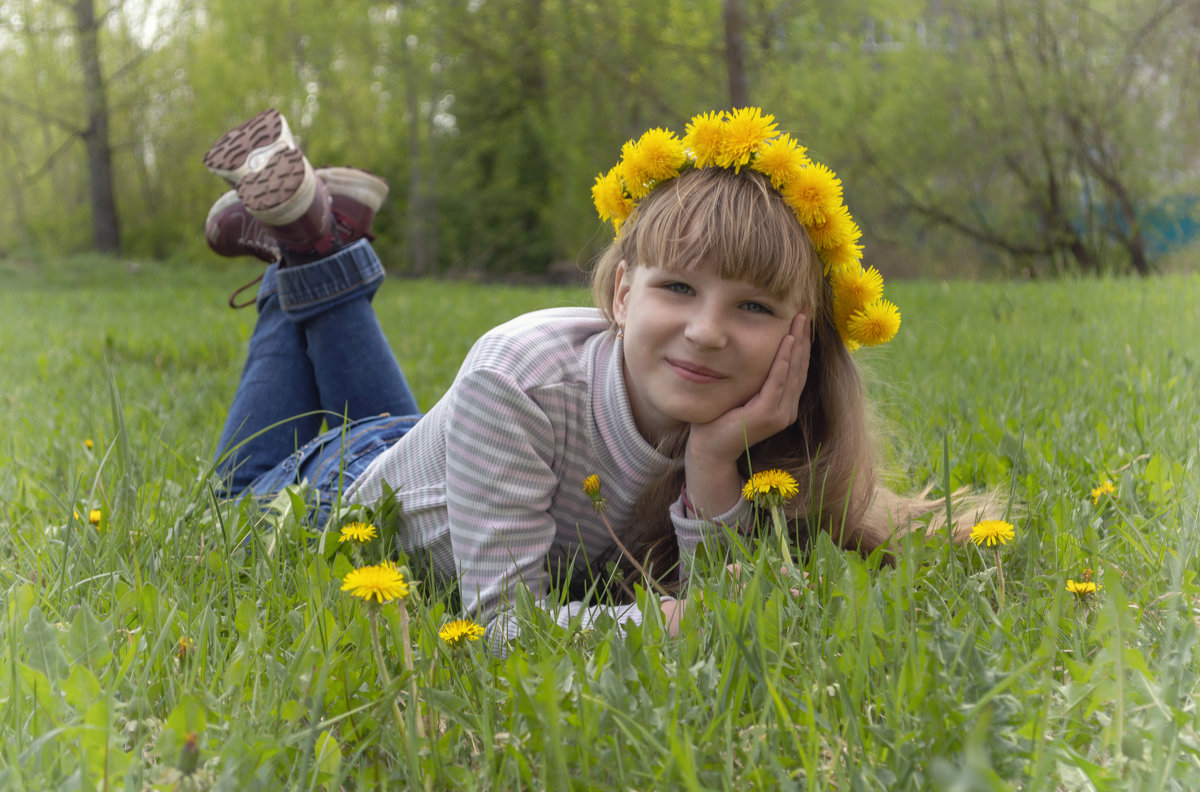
(974, 137)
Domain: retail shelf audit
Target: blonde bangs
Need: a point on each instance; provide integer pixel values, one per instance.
(738, 224)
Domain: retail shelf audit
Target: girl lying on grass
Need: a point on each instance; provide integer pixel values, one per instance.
(727, 308)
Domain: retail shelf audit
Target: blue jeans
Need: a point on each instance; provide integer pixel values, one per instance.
(317, 355)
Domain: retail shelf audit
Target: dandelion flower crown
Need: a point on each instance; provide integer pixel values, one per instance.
(747, 138)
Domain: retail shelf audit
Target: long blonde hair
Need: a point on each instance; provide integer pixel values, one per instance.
(738, 224)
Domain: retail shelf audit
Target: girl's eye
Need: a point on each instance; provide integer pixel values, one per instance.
(757, 307)
(677, 287)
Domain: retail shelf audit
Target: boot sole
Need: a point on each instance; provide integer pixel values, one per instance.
(248, 147)
(281, 191)
(358, 185)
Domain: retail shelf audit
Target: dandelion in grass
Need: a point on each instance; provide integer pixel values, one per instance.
(770, 489)
(357, 532)
(591, 488)
(1081, 589)
(770, 484)
(1085, 587)
(95, 516)
(88, 444)
(460, 631)
(383, 582)
(1104, 489)
(184, 648)
(995, 534)
(377, 585)
(992, 532)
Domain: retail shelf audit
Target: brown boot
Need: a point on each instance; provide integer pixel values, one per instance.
(232, 231)
(295, 206)
(355, 196)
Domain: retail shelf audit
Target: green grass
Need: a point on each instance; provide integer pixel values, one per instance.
(910, 677)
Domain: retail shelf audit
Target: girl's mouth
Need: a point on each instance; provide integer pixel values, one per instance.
(694, 372)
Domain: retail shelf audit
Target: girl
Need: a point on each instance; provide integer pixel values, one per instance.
(727, 309)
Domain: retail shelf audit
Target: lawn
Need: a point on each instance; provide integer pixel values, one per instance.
(175, 645)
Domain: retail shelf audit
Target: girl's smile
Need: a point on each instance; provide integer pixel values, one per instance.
(696, 345)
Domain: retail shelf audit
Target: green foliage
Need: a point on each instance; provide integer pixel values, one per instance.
(867, 676)
(994, 134)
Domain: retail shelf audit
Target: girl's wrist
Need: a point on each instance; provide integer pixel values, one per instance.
(710, 488)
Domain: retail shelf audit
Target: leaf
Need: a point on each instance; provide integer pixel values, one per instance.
(81, 688)
(327, 754)
(41, 643)
(87, 641)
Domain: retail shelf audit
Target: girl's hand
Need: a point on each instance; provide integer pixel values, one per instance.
(710, 459)
(672, 611)
(771, 410)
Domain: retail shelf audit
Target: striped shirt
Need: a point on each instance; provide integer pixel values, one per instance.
(490, 480)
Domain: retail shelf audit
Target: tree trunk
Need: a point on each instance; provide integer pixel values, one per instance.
(106, 231)
(418, 248)
(15, 187)
(735, 54)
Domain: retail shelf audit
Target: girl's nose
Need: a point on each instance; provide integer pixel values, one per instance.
(706, 330)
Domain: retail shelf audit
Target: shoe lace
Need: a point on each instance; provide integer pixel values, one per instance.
(233, 297)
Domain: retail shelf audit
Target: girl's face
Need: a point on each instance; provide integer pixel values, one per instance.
(696, 345)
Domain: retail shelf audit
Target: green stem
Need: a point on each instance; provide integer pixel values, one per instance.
(373, 617)
(780, 523)
(414, 702)
(1000, 575)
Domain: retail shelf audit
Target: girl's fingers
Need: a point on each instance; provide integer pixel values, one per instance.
(794, 373)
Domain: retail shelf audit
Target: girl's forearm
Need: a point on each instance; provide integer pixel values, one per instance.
(714, 486)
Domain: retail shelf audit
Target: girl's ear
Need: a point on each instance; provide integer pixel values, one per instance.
(621, 293)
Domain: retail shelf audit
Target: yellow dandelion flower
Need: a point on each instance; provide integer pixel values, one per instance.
(992, 532)
(777, 483)
(608, 194)
(662, 152)
(847, 253)
(1083, 589)
(854, 288)
(591, 487)
(357, 532)
(460, 631)
(657, 155)
(815, 192)
(875, 324)
(382, 581)
(183, 648)
(705, 138)
(1106, 488)
(745, 131)
(94, 516)
(836, 227)
(780, 160)
(88, 444)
